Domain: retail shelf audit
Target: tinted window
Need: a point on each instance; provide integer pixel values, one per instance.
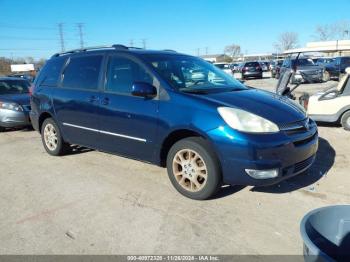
(82, 72)
(252, 64)
(14, 87)
(123, 72)
(50, 73)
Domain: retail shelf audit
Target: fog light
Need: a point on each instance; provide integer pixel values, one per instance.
(262, 174)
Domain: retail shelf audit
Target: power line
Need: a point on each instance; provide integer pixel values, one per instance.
(26, 27)
(80, 29)
(2, 37)
(60, 31)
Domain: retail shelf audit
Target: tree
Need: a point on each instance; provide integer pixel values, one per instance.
(335, 31)
(287, 40)
(232, 50)
(324, 33)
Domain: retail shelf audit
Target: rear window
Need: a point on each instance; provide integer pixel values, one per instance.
(252, 64)
(221, 66)
(50, 73)
(82, 72)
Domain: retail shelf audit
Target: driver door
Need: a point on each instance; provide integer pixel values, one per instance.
(128, 123)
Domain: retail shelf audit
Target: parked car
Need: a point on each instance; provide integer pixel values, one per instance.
(14, 103)
(25, 76)
(263, 66)
(139, 104)
(330, 106)
(336, 68)
(224, 67)
(323, 61)
(306, 70)
(275, 68)
(252, 69)
(235, 67)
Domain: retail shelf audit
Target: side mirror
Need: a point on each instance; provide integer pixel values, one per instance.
(143, 89)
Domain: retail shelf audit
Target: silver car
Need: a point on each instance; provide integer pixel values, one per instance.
(14, 103)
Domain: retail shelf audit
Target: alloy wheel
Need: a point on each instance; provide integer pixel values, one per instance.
(50, 137)
(190, 170)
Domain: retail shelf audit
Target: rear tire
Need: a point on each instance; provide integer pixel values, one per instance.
(345, 120)
(52, 139)
(194, 169)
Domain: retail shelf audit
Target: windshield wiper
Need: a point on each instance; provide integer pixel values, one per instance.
(194, 91)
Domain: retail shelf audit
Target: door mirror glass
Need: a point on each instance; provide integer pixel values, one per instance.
(143, 89)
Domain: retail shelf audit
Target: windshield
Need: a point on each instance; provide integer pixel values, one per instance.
(304, 62)
(191, 74)
(14, 87)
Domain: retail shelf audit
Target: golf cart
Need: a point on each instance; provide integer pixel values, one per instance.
(331, 105)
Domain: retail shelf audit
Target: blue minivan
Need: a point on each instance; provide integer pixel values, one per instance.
(173, 110)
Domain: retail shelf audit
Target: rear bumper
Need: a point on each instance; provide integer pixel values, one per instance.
(252, 74)
(238, 152)
(34, 120)
(10, 118)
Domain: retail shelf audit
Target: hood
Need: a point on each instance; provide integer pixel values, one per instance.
(270, 106)
(22, 99)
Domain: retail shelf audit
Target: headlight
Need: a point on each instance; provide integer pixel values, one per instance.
(247, 122)
(11, 106)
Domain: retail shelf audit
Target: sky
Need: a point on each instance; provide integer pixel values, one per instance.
(30, 28)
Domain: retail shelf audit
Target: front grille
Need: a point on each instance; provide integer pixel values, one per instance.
(302, 125)
(303, 165)
(298, 167)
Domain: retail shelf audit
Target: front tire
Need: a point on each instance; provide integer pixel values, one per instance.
(52, 139)
(194, 169)
(2, 129)
(345, 120)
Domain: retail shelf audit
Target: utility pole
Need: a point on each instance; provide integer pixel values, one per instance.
(206, 50)
(131, 43)
(144, 43)
(81, 35)
(60, 32)
(198, 51)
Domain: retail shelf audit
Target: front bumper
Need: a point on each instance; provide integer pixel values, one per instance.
(290, 154)
(311, 78)
(11, 119)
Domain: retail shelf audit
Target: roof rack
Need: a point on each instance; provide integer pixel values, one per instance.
(116, 47)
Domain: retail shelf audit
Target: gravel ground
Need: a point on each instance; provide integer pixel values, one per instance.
(95, 203)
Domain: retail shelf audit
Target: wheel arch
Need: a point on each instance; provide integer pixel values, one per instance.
(43, 116)
(177, 135)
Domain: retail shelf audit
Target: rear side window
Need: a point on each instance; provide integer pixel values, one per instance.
(82, 72)
(123, 72)
(50, 73)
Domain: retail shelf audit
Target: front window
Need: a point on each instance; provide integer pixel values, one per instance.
(304, 62)
(14, 87)
(191, 74)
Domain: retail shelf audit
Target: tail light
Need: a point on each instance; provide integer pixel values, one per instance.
(31, 89)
